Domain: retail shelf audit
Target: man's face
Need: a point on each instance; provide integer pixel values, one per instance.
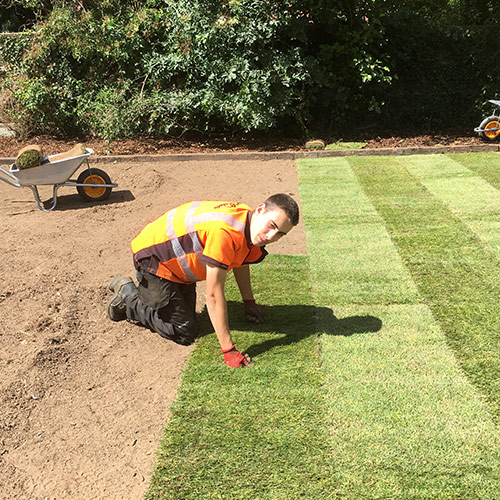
(268, 227)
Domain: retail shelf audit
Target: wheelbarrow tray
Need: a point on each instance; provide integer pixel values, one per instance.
(51, 171)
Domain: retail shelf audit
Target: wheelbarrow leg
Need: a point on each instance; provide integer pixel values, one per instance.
(54, 198)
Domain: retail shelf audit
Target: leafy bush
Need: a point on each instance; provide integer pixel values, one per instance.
(117, 69)
(12, 47)
(14, 16)
(445, 56)
(153, 68)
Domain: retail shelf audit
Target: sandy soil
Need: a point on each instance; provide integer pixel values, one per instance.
(83, 400)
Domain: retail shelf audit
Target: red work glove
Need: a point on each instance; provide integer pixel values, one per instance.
(253, 312)
(235, 359)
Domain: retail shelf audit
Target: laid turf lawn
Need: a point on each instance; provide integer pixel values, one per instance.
(252, 433)
(352, 256)
(457, 275)
(406, 420)
(466, 194)
(483, 164)
(377, 370)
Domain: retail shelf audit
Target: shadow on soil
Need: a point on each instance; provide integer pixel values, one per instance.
(293, 323)
(75, 201)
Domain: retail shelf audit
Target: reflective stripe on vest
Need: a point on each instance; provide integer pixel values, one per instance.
(222, 217)
(174, 243)
(179, 252)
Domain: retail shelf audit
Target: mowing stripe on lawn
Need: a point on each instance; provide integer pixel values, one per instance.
(466, 194)
(405, 421)
(252, 433)
(456, 275)
(487, 165)
(365, 267)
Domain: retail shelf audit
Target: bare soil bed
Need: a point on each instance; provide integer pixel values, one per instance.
(83, 400)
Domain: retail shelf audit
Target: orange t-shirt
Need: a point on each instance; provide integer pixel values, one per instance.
(178, 245)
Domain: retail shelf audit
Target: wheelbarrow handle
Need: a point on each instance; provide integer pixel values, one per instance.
(493, 129)
(12, 179)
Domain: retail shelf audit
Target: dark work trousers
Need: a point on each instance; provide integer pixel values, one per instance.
(164, 307)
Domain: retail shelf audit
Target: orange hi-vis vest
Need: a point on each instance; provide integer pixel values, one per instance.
(178, 245)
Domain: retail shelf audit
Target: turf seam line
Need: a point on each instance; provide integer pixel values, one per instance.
(448, 299)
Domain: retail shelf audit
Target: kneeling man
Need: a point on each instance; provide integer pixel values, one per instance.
(197, 241)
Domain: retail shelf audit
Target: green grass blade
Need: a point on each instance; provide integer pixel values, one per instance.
(252, 433)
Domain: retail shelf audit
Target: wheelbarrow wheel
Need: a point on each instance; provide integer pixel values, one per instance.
(487, 123)
(93, 176)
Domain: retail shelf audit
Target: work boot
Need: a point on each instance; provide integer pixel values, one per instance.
(121, 286)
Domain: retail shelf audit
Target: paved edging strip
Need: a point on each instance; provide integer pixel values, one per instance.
(289, 155)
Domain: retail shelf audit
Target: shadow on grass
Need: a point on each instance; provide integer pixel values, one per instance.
(292, 323)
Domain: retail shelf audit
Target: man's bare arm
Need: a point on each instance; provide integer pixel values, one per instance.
(242, 276)
(217, 306)
(217, 310)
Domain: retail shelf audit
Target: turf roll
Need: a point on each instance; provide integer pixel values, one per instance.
(29, 156)
(77, 150)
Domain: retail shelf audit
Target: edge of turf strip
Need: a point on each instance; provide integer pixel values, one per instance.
(252, 433)
(381, 410)
(405, 421)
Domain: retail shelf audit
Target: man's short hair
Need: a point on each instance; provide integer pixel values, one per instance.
(285, 203)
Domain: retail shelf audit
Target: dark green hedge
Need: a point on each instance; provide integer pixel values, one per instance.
(151, 67)
(444, 57)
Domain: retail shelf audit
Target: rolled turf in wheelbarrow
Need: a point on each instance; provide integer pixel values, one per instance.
(29, 156)
(76, 150)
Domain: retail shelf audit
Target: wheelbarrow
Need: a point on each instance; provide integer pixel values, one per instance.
(489, 129)
(93, 184)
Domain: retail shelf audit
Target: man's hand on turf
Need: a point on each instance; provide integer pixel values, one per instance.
(235, 359)
(253, 312)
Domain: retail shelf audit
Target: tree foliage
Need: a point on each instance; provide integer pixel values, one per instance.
(444, 56)
(157, 67)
